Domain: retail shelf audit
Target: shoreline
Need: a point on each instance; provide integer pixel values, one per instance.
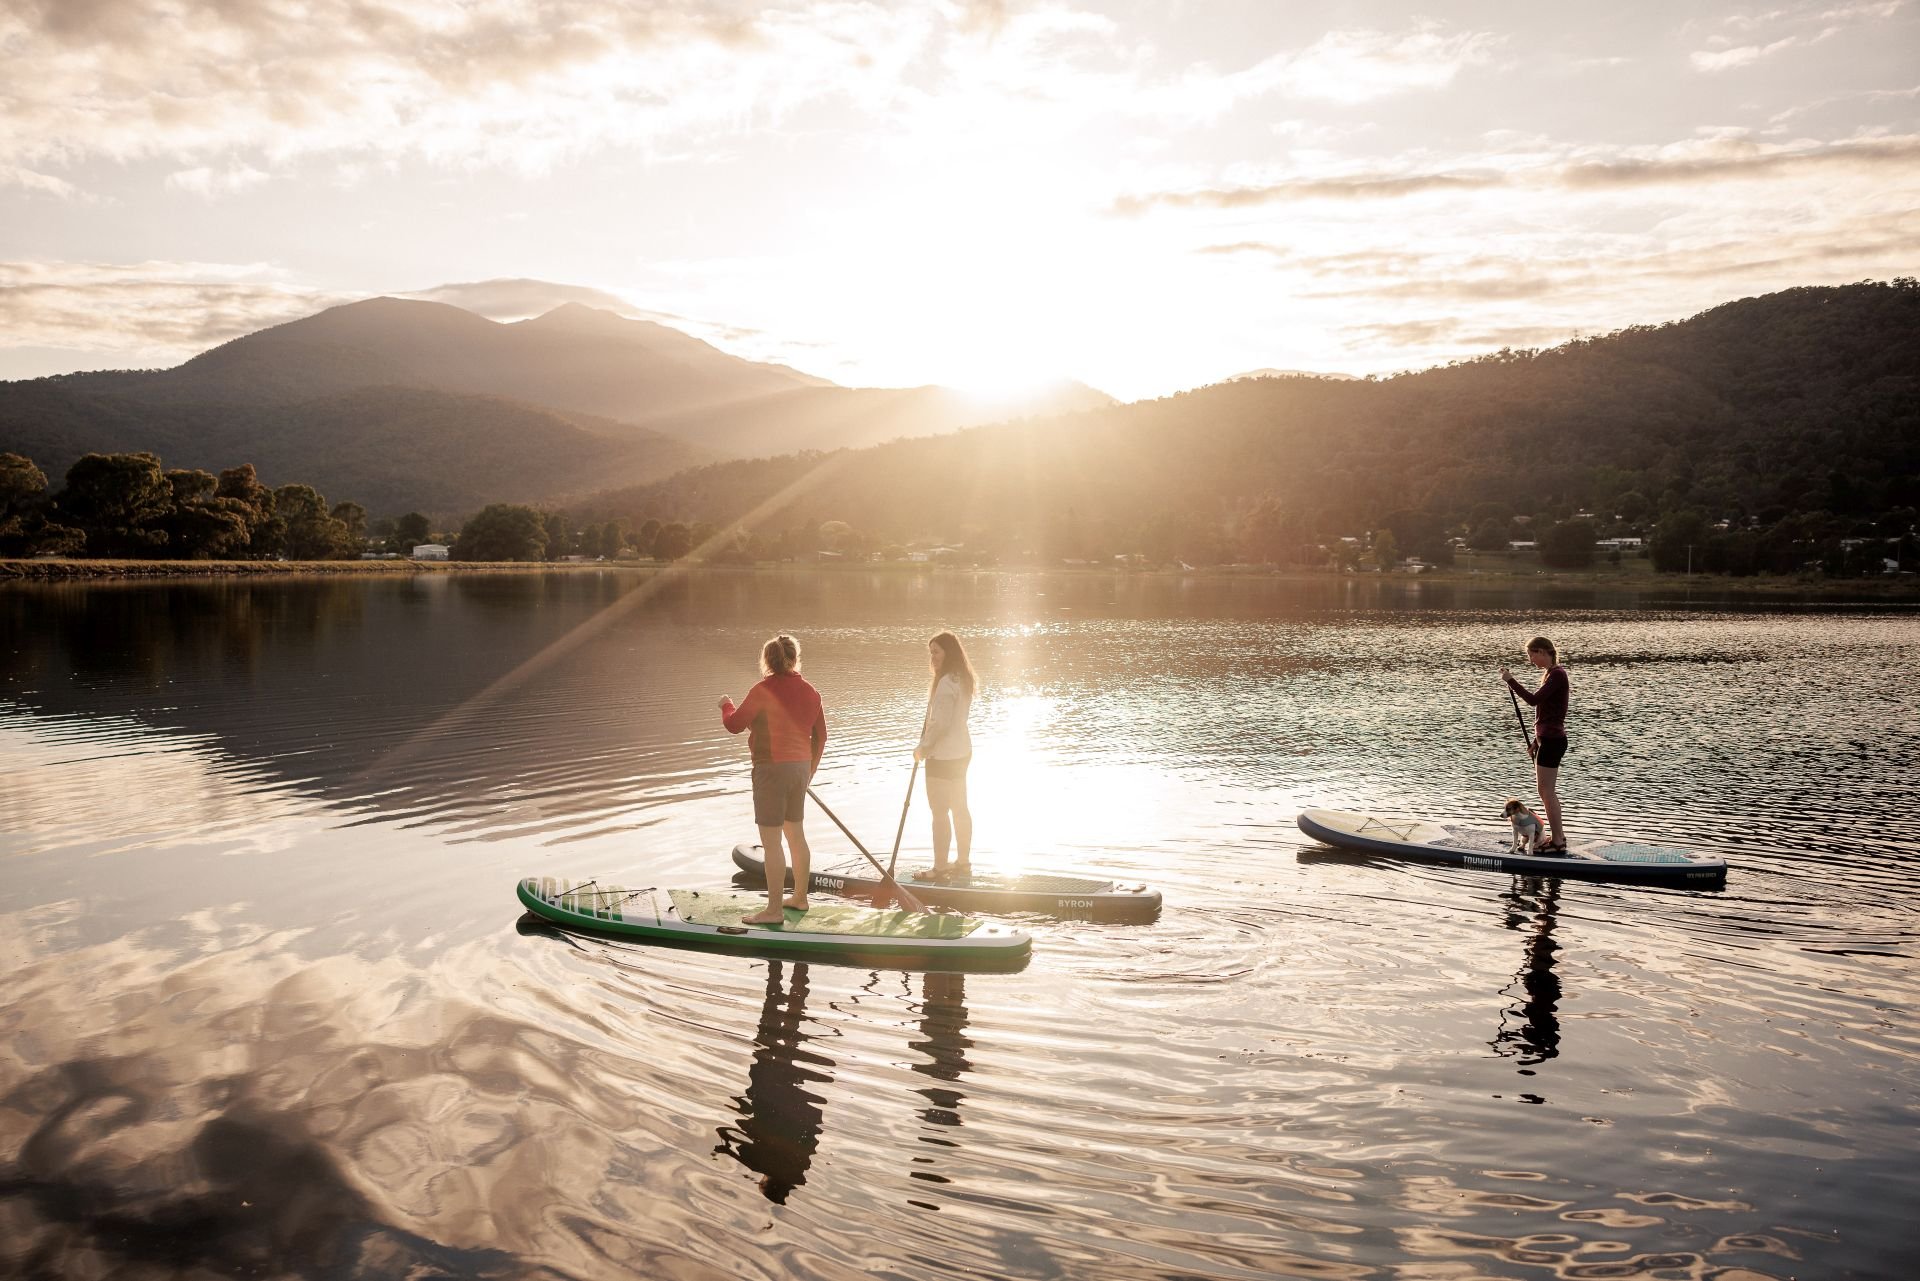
(1890, 590)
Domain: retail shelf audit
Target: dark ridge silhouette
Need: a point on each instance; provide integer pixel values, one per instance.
(1806, 401)
(459, 411)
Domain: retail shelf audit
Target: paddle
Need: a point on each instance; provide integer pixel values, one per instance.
(901, 830)
(1525, 737)
(900, 895)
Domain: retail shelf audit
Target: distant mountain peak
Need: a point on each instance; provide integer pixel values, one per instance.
(577, 315)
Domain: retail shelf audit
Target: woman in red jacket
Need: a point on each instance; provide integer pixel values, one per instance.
(789, 734)
(1549, 731)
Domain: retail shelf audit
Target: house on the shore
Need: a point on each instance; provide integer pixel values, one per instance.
(429, 551)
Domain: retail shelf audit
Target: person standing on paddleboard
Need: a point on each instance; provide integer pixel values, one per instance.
(1549, 731)
(947, 749)
(789, 734)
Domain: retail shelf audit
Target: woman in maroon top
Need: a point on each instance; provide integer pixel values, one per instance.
(789, 734)
(1549, 730)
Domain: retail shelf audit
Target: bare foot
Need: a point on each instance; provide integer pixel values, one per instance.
(798, 902)
(765, 916)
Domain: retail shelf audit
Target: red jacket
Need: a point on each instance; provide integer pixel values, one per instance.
(785, 715)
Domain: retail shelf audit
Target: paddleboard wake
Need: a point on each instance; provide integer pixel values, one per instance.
(1464, 845)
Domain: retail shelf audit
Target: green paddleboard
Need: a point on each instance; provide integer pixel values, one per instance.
(712, 919)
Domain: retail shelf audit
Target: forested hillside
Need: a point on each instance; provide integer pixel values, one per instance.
(1794, 418)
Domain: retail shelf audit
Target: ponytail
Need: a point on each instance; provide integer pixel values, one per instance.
(780, 656)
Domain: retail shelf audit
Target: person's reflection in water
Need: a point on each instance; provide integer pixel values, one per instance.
(943, 1023)
(944, 1042)
(779, 1117)
(1535, 1038)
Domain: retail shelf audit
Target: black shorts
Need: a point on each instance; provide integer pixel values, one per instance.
(1552, 752)
(955, 768)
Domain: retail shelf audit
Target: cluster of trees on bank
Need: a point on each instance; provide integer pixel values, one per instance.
(128, 505)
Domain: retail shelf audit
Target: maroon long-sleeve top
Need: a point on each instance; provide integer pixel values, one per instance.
(785, 716)
(1549, 702)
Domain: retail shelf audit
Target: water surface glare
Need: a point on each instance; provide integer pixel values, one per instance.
(274, 1011)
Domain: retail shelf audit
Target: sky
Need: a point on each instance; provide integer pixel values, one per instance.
(1143, 196)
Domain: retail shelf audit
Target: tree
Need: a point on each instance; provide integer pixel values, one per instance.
(266, 532)
(119, 502)
(353, 523)
(409, 532)
(644, 536)
(559, 535)
(672, 542)
(23, 503)
(1386, 549)
(311, 532)
(1490, 535)
(1679, 542)
(1568, 545)
(502, 531)
(202, 525)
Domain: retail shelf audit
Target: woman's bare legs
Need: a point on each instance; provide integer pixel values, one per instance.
(802, 864)
(776, 864)
(952, 822)
(1549, 781)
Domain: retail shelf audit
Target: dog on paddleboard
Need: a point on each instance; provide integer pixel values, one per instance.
(1529, 833)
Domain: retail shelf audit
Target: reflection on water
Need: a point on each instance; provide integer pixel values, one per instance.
(269, 1010)
(779, 1118)
(1530, 1027)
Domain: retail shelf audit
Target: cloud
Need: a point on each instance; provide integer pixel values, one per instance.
(513, 83)
(152, 313)
(1361, 65)
(45, 184)
(1741, 56)
(1717, 159)
(1724, 159)
(1365, 186)
(208, 182)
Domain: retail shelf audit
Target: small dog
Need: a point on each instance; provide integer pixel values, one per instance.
(1529, 833)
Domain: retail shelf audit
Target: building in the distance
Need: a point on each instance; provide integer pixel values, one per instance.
(429, 551)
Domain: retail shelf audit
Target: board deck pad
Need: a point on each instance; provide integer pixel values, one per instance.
(1085, 897)
(829, 931)
(726, 907)
(1031, 884)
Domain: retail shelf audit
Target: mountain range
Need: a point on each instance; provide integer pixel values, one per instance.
(413, 404)
(1804, 403)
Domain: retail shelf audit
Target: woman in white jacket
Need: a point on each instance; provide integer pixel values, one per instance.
(946, 747)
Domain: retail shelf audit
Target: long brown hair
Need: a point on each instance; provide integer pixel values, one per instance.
(1542, 645)
(780, 655)
(953, 662)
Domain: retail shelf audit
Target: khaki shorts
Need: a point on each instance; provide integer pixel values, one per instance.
(780, 792)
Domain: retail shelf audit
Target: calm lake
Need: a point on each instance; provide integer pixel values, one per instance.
(272, 1008)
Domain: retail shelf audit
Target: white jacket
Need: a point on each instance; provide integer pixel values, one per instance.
(945, 737)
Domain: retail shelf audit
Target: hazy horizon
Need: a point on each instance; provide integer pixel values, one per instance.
(981, 195)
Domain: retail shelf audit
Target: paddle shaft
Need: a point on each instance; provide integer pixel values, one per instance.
(1525, 737)
(900, 894)
(905, 805)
